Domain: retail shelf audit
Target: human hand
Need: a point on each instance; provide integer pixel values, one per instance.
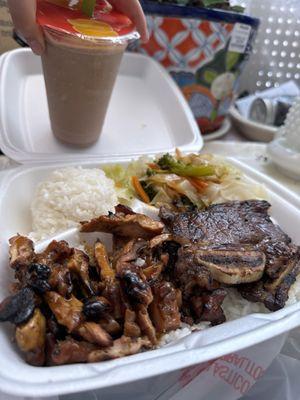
(24, 18)
(133, 10)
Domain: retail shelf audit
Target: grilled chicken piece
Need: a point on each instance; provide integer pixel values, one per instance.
(145, 323)
(110, 325)
(70, 351)
(94, 333)
(128, 256)
(121, 209)
(165, 250)
(164, 310)
(231, 265)
(79, 264)
(112, 292)
(98, 309)
(131, 328)
(122, 347)
(67, 312)
(31, 338)
(95, 308)
(160, 240)
(53, 327)
(21, 251)
(153, 272)
(55, 252)
(136, 287)
(118, 244)
(131, 226)
(105, 270)
(60, 280)
(112, 289)
(54, 257)
(130, 274)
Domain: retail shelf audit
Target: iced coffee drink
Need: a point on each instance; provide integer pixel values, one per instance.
(79, 83)
(80, 71)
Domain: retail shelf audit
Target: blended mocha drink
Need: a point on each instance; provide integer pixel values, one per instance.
(80, 66)
(79, 83)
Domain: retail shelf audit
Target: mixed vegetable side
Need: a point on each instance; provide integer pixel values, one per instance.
(181, 180)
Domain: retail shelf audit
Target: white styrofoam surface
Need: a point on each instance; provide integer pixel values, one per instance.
(16, 377)
(147, 113)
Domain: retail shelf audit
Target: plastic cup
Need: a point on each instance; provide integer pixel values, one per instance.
(79, 75)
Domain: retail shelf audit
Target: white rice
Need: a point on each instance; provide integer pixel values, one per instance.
(68, 196)
(182, 332)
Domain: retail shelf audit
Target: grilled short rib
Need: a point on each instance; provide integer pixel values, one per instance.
(229, 233)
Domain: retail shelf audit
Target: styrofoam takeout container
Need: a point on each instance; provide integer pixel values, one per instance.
(147, 111)
(16, 377)
(16, 193)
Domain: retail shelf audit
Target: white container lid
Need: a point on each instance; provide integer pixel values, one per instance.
(147, 114)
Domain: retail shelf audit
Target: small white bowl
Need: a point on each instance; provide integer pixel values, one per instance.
(252, 130)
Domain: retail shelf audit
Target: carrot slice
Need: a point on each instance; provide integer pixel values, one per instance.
(153, 166)
(198, 184)
(139, 189)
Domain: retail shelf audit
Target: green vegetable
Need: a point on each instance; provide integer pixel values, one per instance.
(149, 189)
(122, 175)
(88, 7)
(168, 163)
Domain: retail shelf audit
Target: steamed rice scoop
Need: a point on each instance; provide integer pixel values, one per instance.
(68, 196)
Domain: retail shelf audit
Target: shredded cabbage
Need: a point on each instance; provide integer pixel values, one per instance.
(226, 184)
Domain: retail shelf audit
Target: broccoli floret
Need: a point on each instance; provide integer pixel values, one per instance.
(170, 164)
(151, 192)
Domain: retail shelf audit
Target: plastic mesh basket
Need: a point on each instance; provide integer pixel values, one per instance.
(276, 54)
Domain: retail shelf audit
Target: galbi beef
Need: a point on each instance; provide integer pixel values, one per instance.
(240, 225)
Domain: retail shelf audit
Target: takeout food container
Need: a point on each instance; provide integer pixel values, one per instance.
(16, 192)
(17, 377)
(147, 111)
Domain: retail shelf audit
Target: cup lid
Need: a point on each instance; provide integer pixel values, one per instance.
(67, 17)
